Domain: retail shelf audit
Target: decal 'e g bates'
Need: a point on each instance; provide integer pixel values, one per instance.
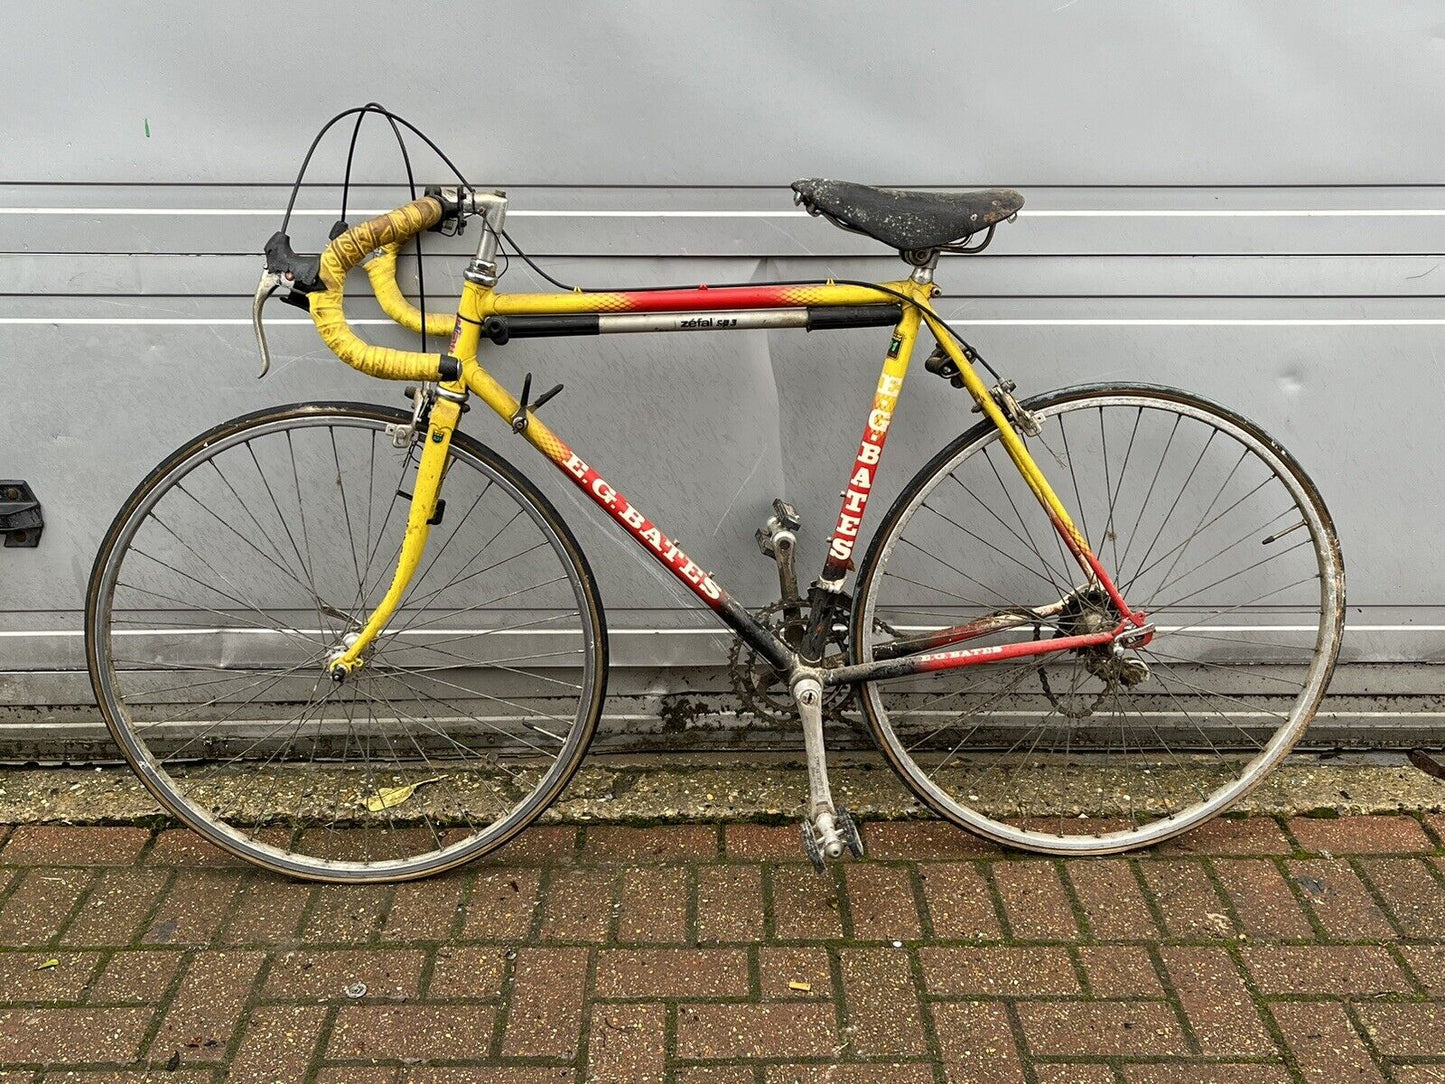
(642, 529)
(860, 485)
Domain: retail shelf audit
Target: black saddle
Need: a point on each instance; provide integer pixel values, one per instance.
(907, 221)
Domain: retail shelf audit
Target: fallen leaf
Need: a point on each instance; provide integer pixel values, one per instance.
(390, 797)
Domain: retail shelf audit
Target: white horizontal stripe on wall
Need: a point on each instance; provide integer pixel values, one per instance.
(118, 321)
(523, 212)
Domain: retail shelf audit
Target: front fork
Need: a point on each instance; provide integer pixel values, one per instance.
(441, 424)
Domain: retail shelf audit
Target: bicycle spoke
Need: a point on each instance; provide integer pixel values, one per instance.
(286, 526)
(1161, 735)
(444, 735)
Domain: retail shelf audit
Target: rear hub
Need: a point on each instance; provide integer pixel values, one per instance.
(1115, 667)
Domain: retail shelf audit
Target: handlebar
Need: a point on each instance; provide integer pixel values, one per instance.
(339, 257)
(381, 270)
(321, 281)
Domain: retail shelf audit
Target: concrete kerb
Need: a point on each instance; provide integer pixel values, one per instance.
(658, 790)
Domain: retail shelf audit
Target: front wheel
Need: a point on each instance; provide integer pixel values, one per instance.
(252, 554)
(1205, 524)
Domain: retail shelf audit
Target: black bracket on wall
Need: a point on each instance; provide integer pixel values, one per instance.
(20, 518)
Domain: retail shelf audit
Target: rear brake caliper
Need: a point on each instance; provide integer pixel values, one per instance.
(1025, 421)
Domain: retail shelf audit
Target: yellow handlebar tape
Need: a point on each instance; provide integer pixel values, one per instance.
(381, 269)
(341, 256)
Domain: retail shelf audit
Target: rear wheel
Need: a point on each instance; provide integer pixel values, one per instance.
(1204, 523)
(251, 555)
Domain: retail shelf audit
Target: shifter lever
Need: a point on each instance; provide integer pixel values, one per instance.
(270, 280)
(519, 416)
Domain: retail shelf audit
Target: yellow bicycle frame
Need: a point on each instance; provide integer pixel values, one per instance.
(717, 309)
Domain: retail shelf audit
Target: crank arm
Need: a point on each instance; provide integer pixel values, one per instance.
(270, 281)
(820, 827)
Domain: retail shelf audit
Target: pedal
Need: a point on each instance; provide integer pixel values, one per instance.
(785, 518)
(764, 538)
(786, 514)
(811, 848)
(778, 539)
(848, 829)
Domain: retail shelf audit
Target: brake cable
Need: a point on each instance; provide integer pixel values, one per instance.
(371, 107)
(394, 119)
(361, 113)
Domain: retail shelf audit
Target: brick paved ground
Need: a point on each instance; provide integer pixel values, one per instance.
(1254, 950)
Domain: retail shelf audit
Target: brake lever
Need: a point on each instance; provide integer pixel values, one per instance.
(270, 281)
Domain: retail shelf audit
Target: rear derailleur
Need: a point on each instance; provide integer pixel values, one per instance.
(1089, 610)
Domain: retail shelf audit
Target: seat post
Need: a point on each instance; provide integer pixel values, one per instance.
(924, 261)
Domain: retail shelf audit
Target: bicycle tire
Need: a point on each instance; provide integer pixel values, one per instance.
(497, 771)
(1113, 800)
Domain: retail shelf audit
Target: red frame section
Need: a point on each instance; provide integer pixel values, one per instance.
(972, 656)
(707, 298)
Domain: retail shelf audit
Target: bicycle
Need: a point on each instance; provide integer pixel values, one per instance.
(319, 663)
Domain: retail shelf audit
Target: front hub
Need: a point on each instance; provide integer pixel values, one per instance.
(336, 665)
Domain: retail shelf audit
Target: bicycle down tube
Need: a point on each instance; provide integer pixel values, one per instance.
(817, 306)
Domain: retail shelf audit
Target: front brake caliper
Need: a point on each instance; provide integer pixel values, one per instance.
(422, 399)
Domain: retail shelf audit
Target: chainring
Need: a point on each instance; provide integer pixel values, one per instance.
(761, 691)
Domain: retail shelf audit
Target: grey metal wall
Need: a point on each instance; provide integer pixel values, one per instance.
(1244, 199)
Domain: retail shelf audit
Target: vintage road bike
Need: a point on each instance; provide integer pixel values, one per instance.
(353, 643)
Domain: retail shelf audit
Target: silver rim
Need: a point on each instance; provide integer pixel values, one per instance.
(250, 558)
(1211, 531)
